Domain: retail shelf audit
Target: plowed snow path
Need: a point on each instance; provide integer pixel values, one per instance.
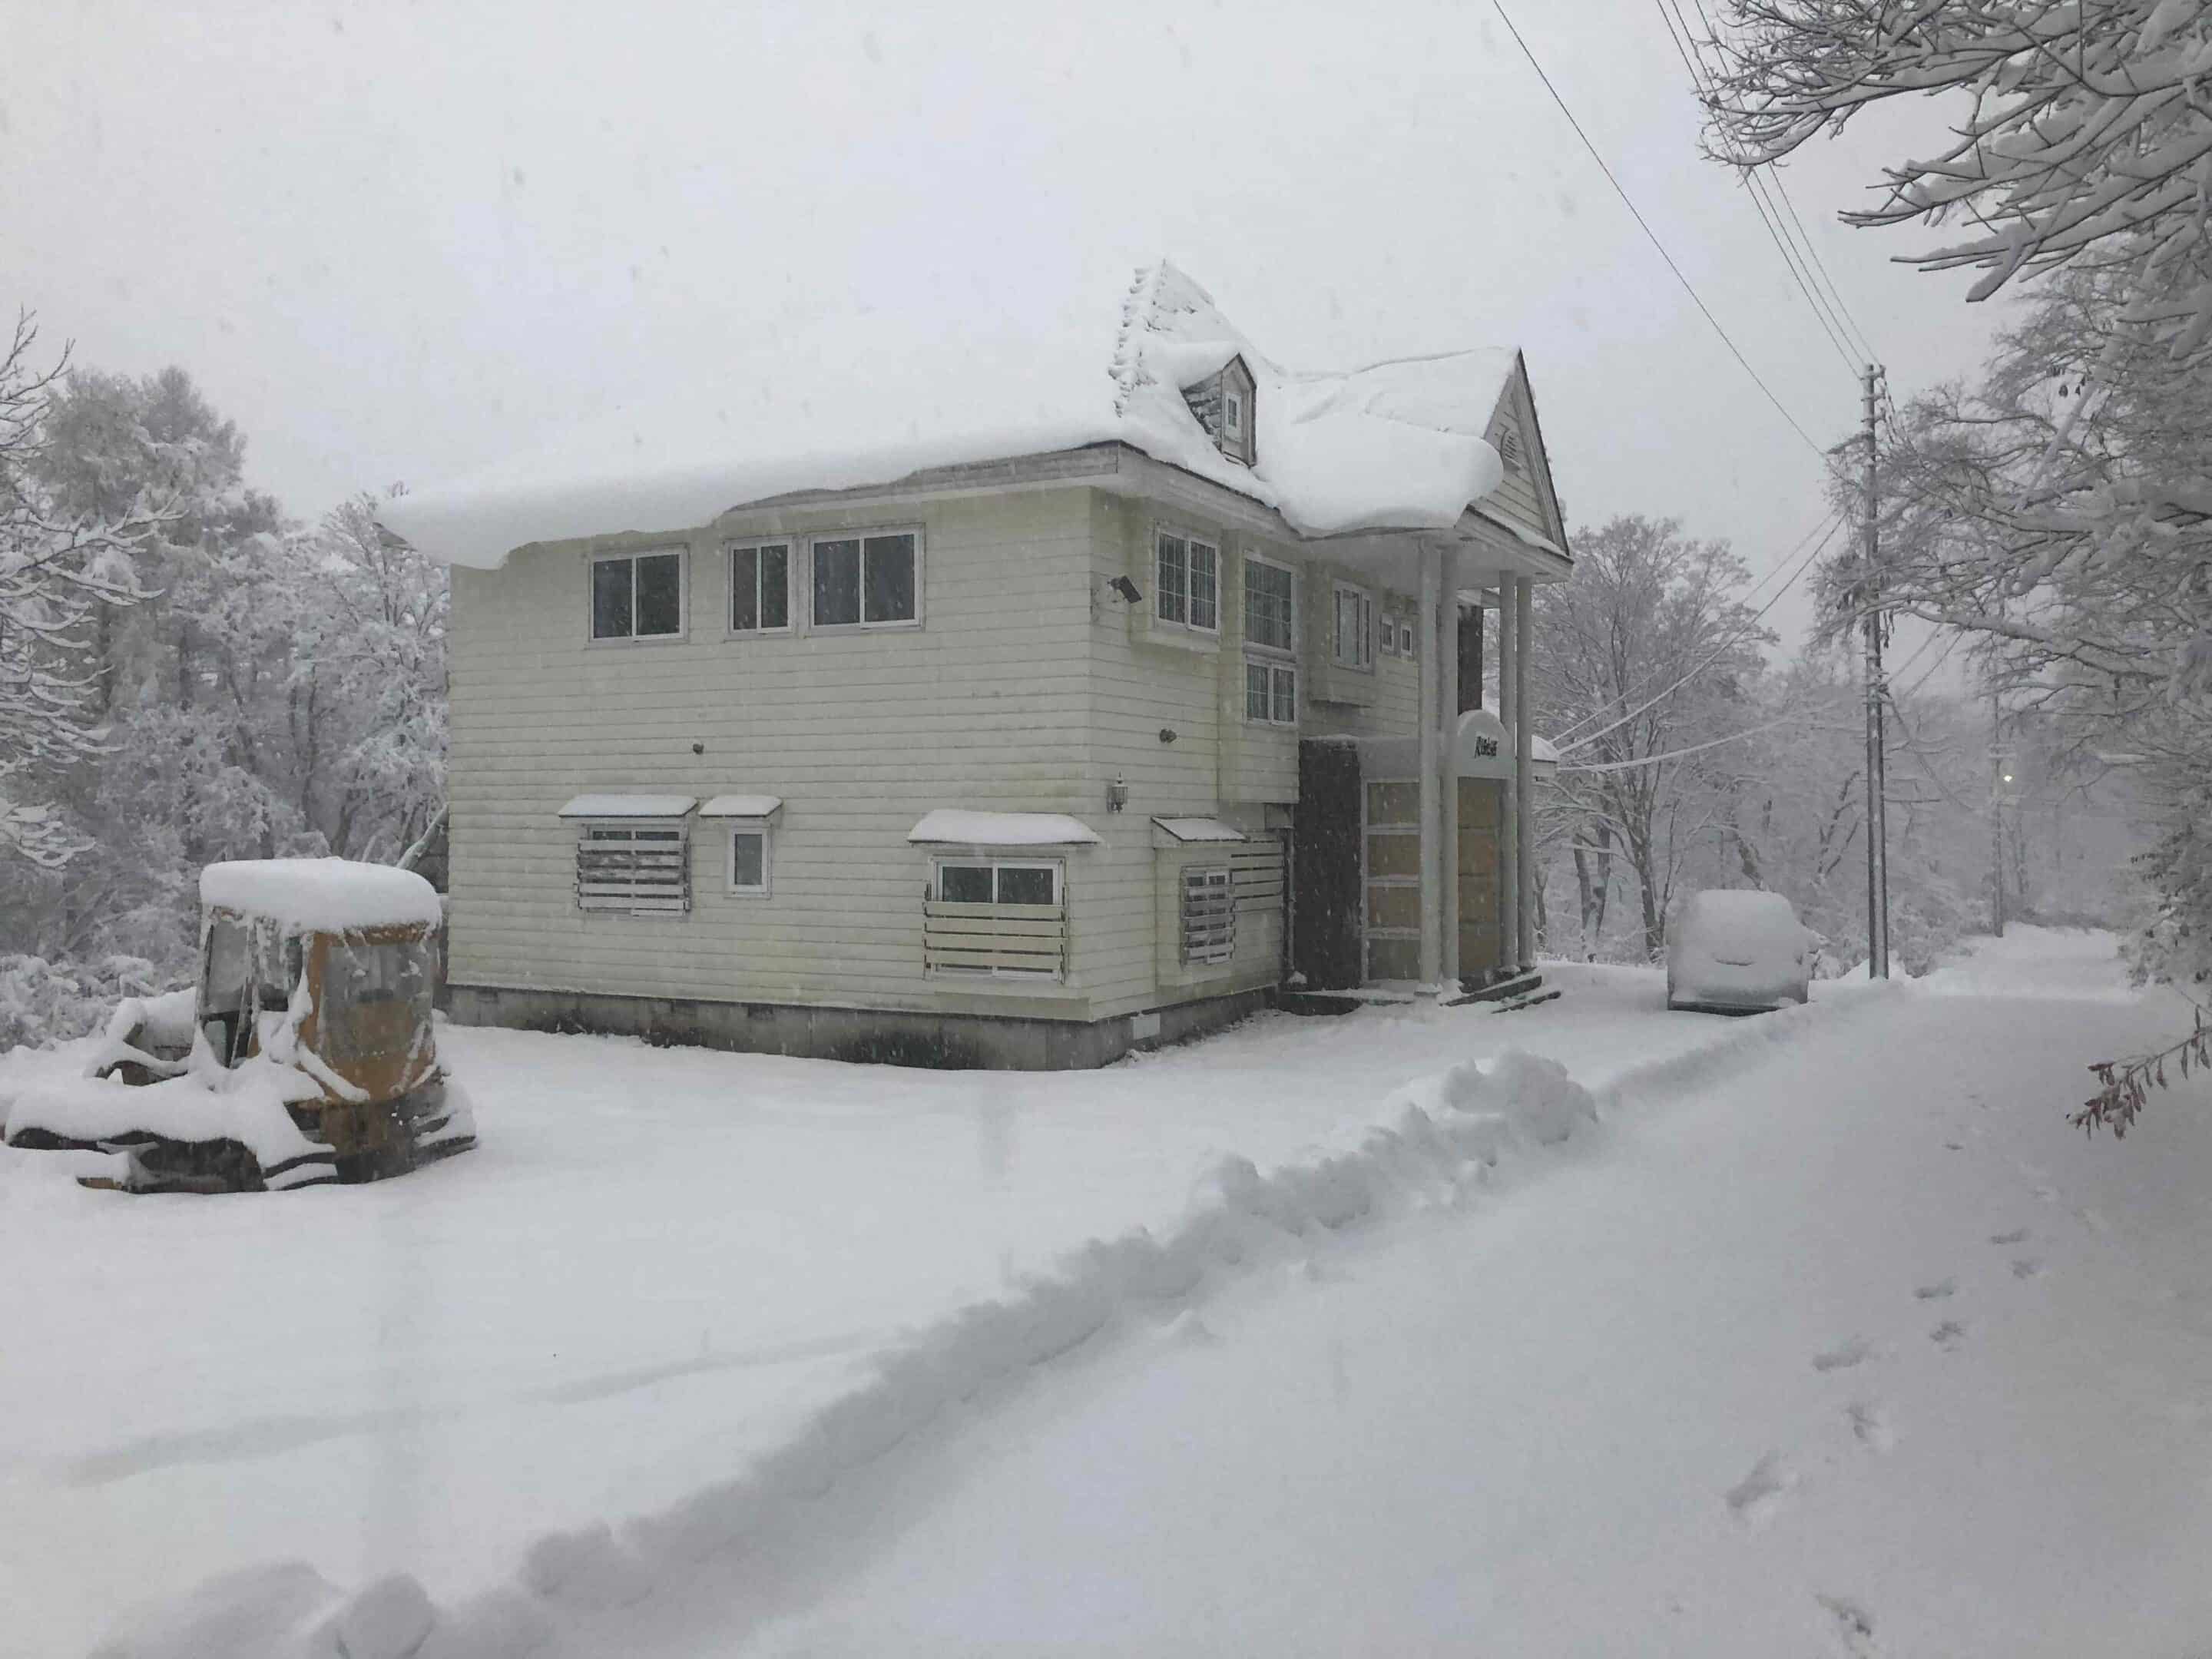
(1767, 1378)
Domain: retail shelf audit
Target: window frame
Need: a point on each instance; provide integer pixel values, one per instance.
(754, 544)
(732, 887)
(1291, 633)
(1277, 669)
(864, 534)
(1189, 538)
(1057, 867)
(1409, 640)
(681, 551)
(1362, 658)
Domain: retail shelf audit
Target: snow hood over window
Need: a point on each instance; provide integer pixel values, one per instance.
(1396, 445)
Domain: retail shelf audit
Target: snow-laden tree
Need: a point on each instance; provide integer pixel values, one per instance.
(64, 566)
(1643, 656)
(280, 690)
(2059, 511)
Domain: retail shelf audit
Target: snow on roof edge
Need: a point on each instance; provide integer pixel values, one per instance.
(1396, 445)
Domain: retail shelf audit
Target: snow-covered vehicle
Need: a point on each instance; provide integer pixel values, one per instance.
(1736, 951)
(305, 1053)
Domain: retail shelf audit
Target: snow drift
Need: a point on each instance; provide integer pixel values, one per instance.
(1396, 445)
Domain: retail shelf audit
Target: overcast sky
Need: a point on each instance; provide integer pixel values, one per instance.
(397, 242)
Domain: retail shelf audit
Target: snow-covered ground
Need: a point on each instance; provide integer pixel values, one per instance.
(657, 1266)
(1829, 1337)
(1859, 1350)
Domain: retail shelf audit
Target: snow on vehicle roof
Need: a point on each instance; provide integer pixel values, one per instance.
(326, 895)
(951, 828)
(1395, 445)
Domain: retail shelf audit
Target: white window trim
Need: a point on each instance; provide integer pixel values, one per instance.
(998, 861)
(732, 828)
(860, 533)
(593, 560)
(1290, 650)
(1274, 665)
(1409, 640)
(1189, 538)
(1367, 598)
(791, 563)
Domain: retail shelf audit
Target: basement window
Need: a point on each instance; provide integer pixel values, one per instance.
(644, 868)
(1209, 914)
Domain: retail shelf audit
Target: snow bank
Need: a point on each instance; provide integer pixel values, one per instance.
(329, 895)
(1441, 1134)
(872, 399)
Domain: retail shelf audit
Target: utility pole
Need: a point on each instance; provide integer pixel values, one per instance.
(1998, 786)
(1877, 815)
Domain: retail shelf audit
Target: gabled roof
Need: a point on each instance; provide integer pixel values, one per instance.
(1395, 445)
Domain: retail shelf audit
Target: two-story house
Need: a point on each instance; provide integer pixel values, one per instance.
(996, 700)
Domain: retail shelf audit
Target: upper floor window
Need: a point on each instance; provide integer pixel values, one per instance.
(637, 596)
(1353, 639)
(1270, 605)
(1186, 581)
(760, 588)
(1270, 694)
(871, 579)
(1232, 416)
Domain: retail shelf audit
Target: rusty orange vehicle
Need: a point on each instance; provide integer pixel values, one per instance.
(306, 1052)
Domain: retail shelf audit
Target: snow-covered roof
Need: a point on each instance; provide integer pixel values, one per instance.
(628, 807)
(1190, 829)
(326, 895)
(1395, 445)
(742, 806)
(951, 828)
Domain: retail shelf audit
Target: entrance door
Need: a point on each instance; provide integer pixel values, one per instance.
(1390, 844)
(1481, 818)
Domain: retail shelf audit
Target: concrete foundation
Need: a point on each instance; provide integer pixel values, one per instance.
(949, 1041)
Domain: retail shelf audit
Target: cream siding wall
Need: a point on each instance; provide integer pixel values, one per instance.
(983, 706)
(1146, 676)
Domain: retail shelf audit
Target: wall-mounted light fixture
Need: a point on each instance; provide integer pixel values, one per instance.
(1126, 590)
(1167, 734)
(1117, 794)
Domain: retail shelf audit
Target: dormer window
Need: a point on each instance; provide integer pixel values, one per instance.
(1222, 403)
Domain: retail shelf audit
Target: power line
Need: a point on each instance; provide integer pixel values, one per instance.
(1629, 201)
(1711, 657)
(1774, 175)
(1670, 14)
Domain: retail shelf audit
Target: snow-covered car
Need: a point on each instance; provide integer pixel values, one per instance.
(1734, 951)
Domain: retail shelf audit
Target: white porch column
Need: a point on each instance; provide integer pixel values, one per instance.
(1524, 837)
(1508, 838)
(1431, 804)
(1444, 714)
